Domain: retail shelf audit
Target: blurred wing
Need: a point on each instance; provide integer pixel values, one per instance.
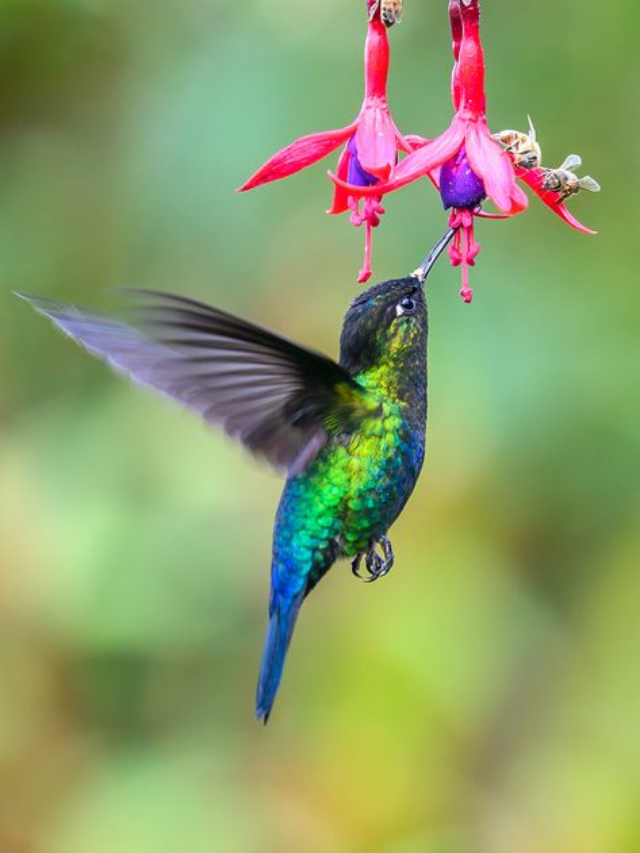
(573, 161)
(279, 400)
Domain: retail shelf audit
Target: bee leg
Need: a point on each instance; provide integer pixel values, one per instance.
(374, 9)
(355, 566)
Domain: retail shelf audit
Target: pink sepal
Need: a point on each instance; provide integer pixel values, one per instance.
(414, 141)
(425, 160)
(494, 166)
(340, 195)
(376, 142)
(483, 214)
(302, 153)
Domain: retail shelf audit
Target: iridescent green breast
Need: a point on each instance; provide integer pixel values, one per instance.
(356, 487)
(349, 495)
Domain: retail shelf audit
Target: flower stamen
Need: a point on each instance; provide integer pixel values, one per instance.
(464, 250)
(369, 216)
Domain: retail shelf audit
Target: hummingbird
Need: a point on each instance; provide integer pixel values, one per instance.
(350, 435)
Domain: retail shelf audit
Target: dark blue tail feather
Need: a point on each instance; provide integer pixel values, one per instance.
(282, 620)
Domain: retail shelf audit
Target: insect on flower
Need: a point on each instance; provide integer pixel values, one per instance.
(565, 182)
(390, 11)
(523, 147)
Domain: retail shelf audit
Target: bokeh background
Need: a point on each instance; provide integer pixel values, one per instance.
(485, 698)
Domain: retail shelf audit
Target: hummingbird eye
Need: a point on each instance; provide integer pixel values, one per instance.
(407, 305)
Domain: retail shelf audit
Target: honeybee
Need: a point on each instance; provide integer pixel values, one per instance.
(390, 11)
(565, 182)
(523, 147)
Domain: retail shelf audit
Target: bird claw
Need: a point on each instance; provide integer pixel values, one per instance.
(377, 566)
(355, 567)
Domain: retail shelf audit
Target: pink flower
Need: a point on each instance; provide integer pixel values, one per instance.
(466, 162)
(371, 150)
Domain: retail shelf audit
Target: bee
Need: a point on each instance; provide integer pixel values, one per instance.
(565, 182)
(523, 147)
(390, 11)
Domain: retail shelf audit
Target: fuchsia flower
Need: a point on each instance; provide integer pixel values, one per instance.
(466, 162)
(371, 151)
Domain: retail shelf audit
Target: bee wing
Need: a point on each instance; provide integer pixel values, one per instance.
(573, 161)
(589, 184)
(532, 130)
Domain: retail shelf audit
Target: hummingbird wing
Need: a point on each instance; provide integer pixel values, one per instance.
(280, 400)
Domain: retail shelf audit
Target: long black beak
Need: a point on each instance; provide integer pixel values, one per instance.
(426, 266)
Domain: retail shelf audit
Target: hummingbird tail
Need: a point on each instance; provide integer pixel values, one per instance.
(282, 620)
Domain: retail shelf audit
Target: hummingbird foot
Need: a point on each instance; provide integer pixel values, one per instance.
(377, 565)
(355, 566)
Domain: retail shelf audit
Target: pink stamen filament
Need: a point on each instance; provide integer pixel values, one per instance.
(464, 250)
(369, 216)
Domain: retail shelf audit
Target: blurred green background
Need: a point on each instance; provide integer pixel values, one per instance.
(485, 698)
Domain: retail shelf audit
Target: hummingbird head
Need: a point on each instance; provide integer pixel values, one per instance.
(386, 324)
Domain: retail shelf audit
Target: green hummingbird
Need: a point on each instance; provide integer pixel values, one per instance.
(350, 435)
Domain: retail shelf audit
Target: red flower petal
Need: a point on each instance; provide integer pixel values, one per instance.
(469, 70)
(534, 178)
(493, 165)
(376, 141)
(429, 156)
(403, 142)
(341, 196)
(417, 165)
(434, 177)
(483, 214)
(456, 39)
(376, 62)
(300, 154)
(414, 141)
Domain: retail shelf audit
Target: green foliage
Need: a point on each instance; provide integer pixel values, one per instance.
(483, 698)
